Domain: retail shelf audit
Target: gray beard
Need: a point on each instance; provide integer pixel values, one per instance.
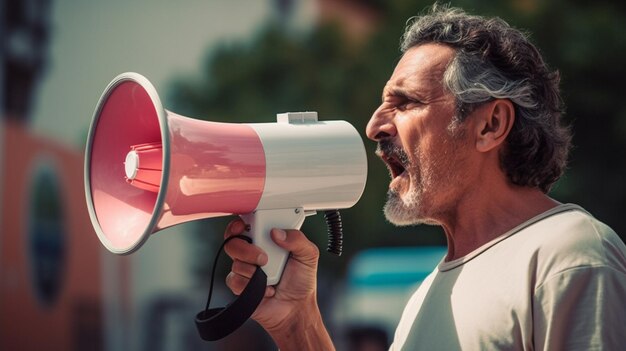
(402, 212)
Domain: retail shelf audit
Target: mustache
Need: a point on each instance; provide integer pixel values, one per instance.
(389, 149)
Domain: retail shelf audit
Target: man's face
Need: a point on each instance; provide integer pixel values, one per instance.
(423, 146)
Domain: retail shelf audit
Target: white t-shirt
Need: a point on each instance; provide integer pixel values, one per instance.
(555, 282)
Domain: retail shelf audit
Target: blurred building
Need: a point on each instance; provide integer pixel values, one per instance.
(357, 18)
(50, 266)
(50, 269)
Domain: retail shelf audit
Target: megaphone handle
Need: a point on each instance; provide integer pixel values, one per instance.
(260, 223)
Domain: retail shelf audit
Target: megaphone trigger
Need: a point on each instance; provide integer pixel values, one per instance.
(261, 222)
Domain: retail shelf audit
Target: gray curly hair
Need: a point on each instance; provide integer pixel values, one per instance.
(495, 61)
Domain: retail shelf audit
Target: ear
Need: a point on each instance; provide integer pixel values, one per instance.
(495, 120)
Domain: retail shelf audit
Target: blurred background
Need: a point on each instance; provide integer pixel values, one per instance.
(244, 61)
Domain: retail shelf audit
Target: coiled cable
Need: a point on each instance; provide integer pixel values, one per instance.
(335, 231)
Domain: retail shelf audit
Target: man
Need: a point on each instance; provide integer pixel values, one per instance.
(470, 130)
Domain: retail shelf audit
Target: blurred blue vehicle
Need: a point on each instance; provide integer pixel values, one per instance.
(379, 283)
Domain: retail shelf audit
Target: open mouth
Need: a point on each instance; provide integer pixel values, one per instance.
(394, 157)
(396, 168)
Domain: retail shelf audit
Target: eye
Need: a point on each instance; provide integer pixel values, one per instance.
(408, 104)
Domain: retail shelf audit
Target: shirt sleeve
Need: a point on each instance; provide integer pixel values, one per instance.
(582, 308)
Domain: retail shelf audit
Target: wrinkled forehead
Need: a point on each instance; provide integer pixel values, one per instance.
(423, 66)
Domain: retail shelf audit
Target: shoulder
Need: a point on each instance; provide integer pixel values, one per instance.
(578, 234)
(574, 239)
(581, 280)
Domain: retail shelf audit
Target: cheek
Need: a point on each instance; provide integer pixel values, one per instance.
(411, 134)
(420, 147)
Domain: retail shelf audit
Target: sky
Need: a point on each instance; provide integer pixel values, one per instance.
(94, 41)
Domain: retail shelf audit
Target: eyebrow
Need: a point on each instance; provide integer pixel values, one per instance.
(400, 92)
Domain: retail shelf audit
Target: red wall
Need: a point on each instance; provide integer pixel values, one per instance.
(73, 320)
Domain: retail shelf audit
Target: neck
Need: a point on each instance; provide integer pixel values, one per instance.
(485, 214)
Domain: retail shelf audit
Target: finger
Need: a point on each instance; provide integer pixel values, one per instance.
(235, 227)
(236, 283)
(243, 268)
(248, 253)
(301, 248)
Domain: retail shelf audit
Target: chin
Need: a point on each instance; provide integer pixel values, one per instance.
(404, 212)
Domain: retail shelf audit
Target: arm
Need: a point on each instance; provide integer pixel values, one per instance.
(289, 311)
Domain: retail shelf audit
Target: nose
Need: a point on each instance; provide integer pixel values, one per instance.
(381, 125)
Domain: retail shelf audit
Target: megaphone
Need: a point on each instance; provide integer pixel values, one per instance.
(147, 169)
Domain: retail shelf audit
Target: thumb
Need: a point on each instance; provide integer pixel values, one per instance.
(301, 248)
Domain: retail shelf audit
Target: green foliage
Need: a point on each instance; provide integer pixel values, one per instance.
(586, 42)
(279, 71)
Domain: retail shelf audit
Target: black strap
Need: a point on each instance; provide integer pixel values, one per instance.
(216, 323)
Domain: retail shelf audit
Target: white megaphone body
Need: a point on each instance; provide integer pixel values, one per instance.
(147, 169)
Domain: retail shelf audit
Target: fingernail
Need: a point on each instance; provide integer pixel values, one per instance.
(280, 234)
(229, 277)
(237, 227)
(261, 260)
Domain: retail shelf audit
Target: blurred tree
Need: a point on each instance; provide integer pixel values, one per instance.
(279, 71)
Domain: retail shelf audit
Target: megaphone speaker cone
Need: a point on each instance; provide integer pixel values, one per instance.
(129, 113)
(147, 168)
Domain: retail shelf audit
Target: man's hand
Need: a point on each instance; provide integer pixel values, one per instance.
(289, 311)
